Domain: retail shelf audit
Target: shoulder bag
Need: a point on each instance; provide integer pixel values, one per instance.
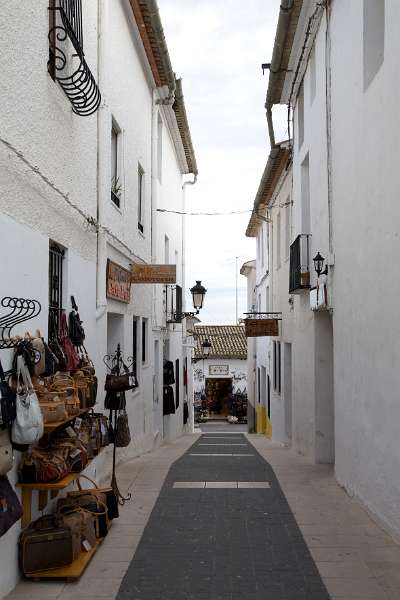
(122, 433)
(71, 355)
(28, 425)
(10, 506)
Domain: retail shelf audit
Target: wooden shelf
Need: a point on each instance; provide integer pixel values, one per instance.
(50, 427)
(44, 489)
(72, 571)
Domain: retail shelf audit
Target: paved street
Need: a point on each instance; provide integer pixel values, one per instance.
(236, 543)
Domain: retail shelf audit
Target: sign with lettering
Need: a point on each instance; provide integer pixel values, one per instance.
(218, 369)
(153, 273)
(261, 327)
(118, 282)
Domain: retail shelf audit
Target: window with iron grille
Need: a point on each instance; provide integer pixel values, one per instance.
(56, 259)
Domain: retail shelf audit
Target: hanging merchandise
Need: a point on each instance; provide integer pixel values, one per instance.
(6, 452)
(76, 330)
(185, 413)
(51, 361)
(120, 383)
(54, 343)
(168, 400)
(28, 425)
(10, 506)
(71, 354)
(168, 372)
(122, 433)
(8, 402)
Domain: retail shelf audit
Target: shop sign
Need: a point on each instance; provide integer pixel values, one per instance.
(153, 274)
(118, 282)
(218, 369)
(261, 327)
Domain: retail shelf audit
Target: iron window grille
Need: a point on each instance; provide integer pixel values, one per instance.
(74, 76)
(174, 304)
(299, 271)
(56, 260)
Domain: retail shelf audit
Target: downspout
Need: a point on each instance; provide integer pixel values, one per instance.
(282, 27)
(101, 301)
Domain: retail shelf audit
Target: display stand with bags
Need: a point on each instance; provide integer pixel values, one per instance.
(119, 380)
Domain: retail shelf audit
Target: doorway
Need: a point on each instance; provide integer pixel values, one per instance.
(218, 395)
(324, 393)
(287, 389)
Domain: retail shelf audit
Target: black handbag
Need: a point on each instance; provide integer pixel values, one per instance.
(76, 331)
(10, 506)
(8, 402)
(122, 433)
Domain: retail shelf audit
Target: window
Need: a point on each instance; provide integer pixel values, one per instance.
(313, 75)
(305, 196)
(277, 366)
(166, 250)
(373, 38)
(278, 241)
(140, 198)
(134, 346)
(300, 116)
(144, 340)
(115, 183)
(159, 147)
(56, 280)
(287, 228)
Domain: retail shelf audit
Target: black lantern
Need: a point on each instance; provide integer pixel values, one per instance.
(198, 292)
(319, 265)
(206, 345)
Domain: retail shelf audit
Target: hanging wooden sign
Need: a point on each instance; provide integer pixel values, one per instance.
(118, 282)
(153, 273)
(261, 327)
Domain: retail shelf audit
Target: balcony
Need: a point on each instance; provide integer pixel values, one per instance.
(299, 275)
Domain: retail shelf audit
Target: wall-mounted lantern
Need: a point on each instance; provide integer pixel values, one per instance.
(319, 265)
(198, 292)
(206, 346)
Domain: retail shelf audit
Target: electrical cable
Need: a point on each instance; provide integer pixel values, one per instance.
(203, 214)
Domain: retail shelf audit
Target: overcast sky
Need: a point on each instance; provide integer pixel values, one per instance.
(217, 47)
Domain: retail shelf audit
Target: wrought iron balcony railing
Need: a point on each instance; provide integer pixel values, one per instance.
(299, 273)
(73, 74)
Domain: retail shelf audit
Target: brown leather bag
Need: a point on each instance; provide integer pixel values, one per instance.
(46, 544)
(79, 520)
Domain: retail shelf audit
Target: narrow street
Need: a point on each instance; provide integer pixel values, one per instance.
(228, 516)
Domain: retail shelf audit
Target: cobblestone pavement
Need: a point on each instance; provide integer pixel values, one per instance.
(218, 541)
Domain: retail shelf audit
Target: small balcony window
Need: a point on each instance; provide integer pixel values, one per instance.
(299, 272)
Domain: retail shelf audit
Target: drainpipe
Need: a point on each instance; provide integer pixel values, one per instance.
(283, 23)
(102, 186)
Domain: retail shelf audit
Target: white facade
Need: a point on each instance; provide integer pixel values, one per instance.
(341, 368)
(55, 180)
(221, 368)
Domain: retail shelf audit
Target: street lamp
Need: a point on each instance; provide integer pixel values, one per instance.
(319, 265)
(206, 345)
(198, 292)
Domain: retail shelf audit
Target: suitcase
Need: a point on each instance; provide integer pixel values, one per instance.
(45, 545)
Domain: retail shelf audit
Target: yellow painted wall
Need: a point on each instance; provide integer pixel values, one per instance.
(263, 424)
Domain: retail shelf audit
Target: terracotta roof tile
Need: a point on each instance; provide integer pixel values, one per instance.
(227, 341)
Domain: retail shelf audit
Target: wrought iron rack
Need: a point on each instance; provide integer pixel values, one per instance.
(115, 363)
(19, 311)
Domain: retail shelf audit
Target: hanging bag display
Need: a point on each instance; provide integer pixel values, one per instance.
(10, 506)
(28, 425)
(71, 354)
(6, 452)
(121, 383)
(122, 433)
(55, 345)
(8, 402)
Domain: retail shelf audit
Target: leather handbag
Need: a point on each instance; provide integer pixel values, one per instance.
(28, 425)
(8, 402)
(39, 367)
(93, 504)
(76, 331)
(71, 354)
(42, 466)
(122, 432)
(6, 452)
(10, 506)
(120, 382)
(47, 544)
(105, 493)
(79, 520)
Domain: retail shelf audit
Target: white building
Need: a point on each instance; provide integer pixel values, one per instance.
(334, 65)
(82, 174)
(221, 375)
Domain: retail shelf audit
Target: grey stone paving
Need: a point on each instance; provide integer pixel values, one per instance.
(221, 543)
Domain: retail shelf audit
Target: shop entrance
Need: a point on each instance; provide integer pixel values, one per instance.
(219, 397)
